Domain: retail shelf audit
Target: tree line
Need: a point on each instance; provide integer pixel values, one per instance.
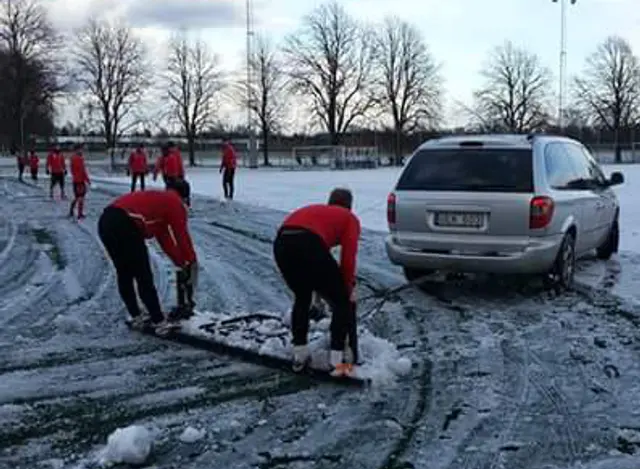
(345, 73)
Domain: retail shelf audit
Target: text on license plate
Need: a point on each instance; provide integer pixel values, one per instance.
(472, 220)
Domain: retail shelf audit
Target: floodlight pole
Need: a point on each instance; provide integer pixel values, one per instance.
(563, 59)
(251, 147)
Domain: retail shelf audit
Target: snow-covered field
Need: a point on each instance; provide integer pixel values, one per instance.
(504, 376)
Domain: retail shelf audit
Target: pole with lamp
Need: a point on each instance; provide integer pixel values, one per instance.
(563, 59)
(251, 147)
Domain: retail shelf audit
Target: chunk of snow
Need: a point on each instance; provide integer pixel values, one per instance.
(129, 445)
(68, 324)
(402, 366)
(191, 435)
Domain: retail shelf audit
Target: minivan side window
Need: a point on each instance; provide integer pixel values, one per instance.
(559, 169)
(594, 168)
(579, 161)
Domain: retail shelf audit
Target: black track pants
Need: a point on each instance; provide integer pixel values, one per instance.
(127, 249)
(228, 176)
(308, 266)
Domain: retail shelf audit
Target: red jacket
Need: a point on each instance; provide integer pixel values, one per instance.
(138, 162)
(159, 167)
(56, 163)
(78, 169)
(229, 158)
(337, 226)
(34, 161)
(173, 166)
(161, 215)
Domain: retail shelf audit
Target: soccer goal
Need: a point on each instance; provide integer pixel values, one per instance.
(333, 157)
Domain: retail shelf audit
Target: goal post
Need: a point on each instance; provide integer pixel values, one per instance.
(334, 157)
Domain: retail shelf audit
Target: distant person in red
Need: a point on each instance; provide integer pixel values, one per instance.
(20, 161)
(160, 164)
(138, 166)
(123, 227)
(34, 163)
(57, 168)
(174, 167)
(228, 165)
(302, 251)
(80, 180)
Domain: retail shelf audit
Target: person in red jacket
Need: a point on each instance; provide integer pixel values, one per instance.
(228, 165)
(160, 164)
(173, 166)
(138, 166)
(80, 180)
(123, 227)
(57, 167)
(34, 163)
(302, 251)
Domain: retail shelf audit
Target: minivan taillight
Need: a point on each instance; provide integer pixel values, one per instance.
(391, 209)
(540, 212)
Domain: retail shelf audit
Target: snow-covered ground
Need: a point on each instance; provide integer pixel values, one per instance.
(504, 376)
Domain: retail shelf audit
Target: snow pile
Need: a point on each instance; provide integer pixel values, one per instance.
(67, 324)
(269, 334)
(129, 445)
(191, 435)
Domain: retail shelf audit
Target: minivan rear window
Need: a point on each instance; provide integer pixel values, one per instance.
(469, 169)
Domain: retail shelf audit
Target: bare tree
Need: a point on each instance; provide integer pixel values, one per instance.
(410, 85)
(264, 94)
(515, 93)
(31, 69)
(609, 89)
(193, 81)
(113, 74)
(330, 61)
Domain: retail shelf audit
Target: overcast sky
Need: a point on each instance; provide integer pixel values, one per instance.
(459, 33)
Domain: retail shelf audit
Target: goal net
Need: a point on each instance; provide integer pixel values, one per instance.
(333, 157)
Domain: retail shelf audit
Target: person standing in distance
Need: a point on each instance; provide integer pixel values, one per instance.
(228, 165)
(80, 180)
(57, 168)
(302, 251)
(138, 166)
(123, 227)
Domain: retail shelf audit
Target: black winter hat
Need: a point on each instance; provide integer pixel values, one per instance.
(182, 187)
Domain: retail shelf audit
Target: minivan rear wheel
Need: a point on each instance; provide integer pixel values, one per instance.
(561, 275)
(610, 245)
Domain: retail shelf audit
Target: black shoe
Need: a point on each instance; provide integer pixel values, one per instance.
(180, 313)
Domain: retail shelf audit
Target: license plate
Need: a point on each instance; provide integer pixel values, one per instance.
(459, 219)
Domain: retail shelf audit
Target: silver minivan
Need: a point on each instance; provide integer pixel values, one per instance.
(504, 204)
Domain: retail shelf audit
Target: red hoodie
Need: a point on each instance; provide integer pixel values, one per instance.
(138, 162)
(173, 166)
(78, 169)
(34, 161)
(337, 226)
(161, 215)
(55, 163)
(229, 158)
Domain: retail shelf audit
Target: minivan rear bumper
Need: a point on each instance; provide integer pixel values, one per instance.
(536, 257)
